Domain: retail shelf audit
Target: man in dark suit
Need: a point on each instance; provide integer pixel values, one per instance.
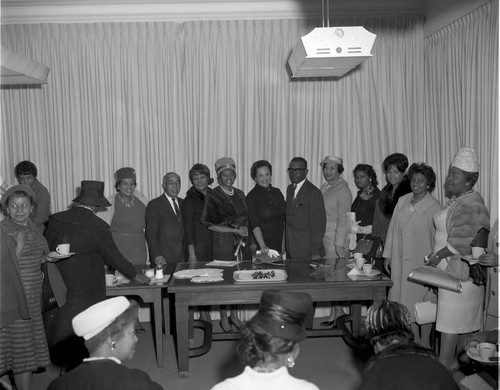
(164, 230)
(305, 214)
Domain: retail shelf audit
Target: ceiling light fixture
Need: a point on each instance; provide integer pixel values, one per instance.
(330, 51)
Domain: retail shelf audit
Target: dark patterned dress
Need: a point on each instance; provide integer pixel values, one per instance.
(23, 345)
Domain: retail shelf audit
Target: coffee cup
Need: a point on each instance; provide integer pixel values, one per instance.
(359, 262)
(486, 350)
(110, 279)
(149, 272)
(63, 249)
(367, 268)
(352, 216)
(477, 251)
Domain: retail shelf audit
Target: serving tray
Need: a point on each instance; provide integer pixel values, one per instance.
(260, 276)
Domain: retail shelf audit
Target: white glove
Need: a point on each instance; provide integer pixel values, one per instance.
(273, 253)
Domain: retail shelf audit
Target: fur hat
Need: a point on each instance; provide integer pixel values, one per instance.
(92, 194)
(97, 317)
(125, 173)
(282, 314)
(467, 160)
(225, 163)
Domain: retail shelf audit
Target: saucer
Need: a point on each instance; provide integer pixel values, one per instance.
(56, 255)
(470, 259)
(473, 353)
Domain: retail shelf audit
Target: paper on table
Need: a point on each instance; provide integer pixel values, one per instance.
(355, 271)
(223, 263)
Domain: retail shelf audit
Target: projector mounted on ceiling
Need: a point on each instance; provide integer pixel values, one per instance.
(330, 51)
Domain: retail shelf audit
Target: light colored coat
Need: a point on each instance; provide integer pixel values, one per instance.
(409, 239)
(338, 200)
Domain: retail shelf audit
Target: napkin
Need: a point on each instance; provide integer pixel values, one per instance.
(223, 263)
(355, 272)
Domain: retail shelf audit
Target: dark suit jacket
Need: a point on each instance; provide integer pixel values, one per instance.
(305, 222)
(164, 230)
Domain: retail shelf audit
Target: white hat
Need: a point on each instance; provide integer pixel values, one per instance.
(97, 317)
(467, 160)
(332, 159)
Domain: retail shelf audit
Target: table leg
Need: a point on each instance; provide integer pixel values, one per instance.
(356, 319)
(157, 307)
(182, 335)
(166, 315)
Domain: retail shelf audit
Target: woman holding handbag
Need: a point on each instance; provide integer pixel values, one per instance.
(411, 237)
(459, 314)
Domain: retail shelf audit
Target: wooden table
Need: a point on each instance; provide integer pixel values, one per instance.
(155, 294)
(333, 285)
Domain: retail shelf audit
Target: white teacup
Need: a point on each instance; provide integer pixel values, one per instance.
(359, 262)
(149, 272)
(486, 350)
(63, 249)
(477, 251)
(367, 268)
(110, 278)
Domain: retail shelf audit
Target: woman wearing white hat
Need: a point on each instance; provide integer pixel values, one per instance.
(108, 330)
(456, 226)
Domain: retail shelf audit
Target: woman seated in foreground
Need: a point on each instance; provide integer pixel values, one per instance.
(269, 344)
(108, 330)
(400, 363)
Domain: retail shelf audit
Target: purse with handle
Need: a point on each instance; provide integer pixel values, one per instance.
(435, 277)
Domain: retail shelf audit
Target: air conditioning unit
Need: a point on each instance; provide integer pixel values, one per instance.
(17, 69)
(330, 51)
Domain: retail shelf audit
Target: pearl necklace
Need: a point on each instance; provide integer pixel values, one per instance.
(90, 359)
(415, 201)
(264, 369)
(124, 202)
(454, 198)
(230, 193)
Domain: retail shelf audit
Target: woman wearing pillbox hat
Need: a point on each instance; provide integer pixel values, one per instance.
(269, 343)
(127, 217)
(108, 330)
(456, 226)
(225, 213)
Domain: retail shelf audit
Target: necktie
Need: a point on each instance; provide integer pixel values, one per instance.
(176, 208)
(294, 190)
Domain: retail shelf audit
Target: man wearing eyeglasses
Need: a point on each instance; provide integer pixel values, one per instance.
(305, 214)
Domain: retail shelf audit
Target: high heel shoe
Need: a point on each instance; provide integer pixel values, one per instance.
(236, 322)
(331, 324)
(225, 324)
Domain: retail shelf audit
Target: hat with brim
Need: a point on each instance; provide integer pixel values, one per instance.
(331, 159)
(125, 173)
(97, 317)
(467, 160)
(18, 187)
(282, 314)
(224, 163)
(92, 194)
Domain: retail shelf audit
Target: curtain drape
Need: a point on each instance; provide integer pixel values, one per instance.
(162, 96)
(461, 89)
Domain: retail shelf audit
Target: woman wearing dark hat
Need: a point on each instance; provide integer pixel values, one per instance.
(269, 344)
(399, 363)
(108, 330)
(198, 236)
(458, 315)
(226, 215)
(23, 345)
(127, 217)
(83, 273)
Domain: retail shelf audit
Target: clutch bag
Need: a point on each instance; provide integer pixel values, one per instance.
(435, 277)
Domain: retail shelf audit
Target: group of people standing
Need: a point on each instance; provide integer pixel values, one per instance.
(222, 223)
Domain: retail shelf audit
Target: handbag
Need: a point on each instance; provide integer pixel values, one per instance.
(425, 311)
(49, 300)
(435, 277)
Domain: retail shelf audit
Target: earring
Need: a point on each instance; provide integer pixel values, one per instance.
(113, 345)
(290, 361)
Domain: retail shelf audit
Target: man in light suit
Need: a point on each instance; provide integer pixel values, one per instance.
(164, 230)
(305, 214)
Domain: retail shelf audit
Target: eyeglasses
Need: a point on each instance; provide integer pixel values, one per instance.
(296, 170)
